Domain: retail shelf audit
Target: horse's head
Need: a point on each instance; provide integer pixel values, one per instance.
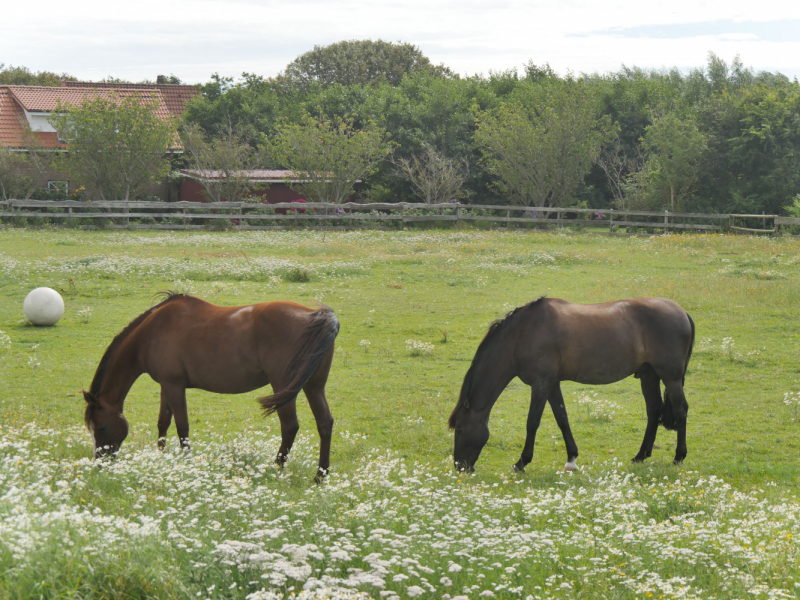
(471, 434)
(108, 426)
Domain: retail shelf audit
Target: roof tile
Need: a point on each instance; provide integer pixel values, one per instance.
(175, 96)
(254, 175)
(15, 99)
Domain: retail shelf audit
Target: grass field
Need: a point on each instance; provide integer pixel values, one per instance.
(394, 519)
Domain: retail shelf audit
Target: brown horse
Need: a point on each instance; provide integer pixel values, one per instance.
(550, 340)
(185, 342)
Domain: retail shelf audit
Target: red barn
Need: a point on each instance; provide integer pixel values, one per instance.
(276, 191)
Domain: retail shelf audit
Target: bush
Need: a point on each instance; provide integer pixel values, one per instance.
(297, 275)
(219, 224)
(38, 222)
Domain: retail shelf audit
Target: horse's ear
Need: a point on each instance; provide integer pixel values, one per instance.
(89, 397)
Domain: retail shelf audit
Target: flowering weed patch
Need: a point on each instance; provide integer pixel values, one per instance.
(224, 522)
(597, 407)
(419, 348)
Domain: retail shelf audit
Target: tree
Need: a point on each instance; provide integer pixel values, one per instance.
(427, 111)
(764, 153)
(16, 178)
(116, 145)
(24, 76)
(543, 143)
(619, 167)
(357, 62)
(675, 149)
(23, 170)
(251, 103)
(228, 153)
(433, 176)
(328, 157)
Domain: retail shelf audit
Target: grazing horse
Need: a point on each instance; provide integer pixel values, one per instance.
(550, 340)
(185, 342)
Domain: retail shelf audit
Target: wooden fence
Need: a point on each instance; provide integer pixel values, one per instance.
(245, 216)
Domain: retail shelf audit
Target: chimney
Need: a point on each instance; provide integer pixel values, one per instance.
(160, 80)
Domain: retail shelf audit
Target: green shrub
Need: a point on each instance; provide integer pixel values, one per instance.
(297, 275)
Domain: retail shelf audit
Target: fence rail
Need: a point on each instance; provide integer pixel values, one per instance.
(245, 215)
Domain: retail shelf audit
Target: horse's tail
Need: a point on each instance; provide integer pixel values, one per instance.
(667, 416)
(691, 345)
(323, 327)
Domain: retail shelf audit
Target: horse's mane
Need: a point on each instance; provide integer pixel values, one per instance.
(97, 382)
(497, 327)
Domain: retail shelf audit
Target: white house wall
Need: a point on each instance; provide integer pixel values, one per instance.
(38, 122)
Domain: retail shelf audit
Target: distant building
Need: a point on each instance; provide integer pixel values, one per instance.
(24, 106)
(271, 186)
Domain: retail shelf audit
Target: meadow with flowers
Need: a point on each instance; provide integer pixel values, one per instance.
(393, 519)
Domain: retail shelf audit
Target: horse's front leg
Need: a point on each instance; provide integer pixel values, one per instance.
(538, 400)
(289, 428)
(560, 413)
(174, 396)
(164, 420)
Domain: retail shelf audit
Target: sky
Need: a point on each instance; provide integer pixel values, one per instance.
(92, 39)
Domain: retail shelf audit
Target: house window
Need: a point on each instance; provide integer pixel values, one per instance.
(59, 186)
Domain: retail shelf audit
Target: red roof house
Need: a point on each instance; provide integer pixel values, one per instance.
(27, 106)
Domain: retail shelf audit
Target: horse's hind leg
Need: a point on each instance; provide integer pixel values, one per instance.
(538, 400)
(289, 428)
(322, 414)
(651, 390)
(164, 420)
(560, 413)
(677, 403)
(318, 401)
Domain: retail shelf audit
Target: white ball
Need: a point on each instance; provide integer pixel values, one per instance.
(43, 306)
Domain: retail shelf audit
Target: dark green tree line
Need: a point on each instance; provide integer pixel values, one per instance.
(722, 137)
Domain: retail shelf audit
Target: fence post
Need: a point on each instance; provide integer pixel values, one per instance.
(184, 218)
(458, 215)
(127, 219)
(610, 223)
(508, 216)
(666, 221)
(559, 225)
(241, 216)
(403, 216)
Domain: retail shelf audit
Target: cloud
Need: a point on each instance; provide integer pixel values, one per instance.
(784, 30)
(194, 38)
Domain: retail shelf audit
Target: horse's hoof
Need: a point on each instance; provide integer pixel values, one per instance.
(570, 466)
(320, 476)
(516, 467)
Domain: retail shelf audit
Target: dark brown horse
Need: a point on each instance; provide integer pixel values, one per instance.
(185, 342)
(551, 340)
